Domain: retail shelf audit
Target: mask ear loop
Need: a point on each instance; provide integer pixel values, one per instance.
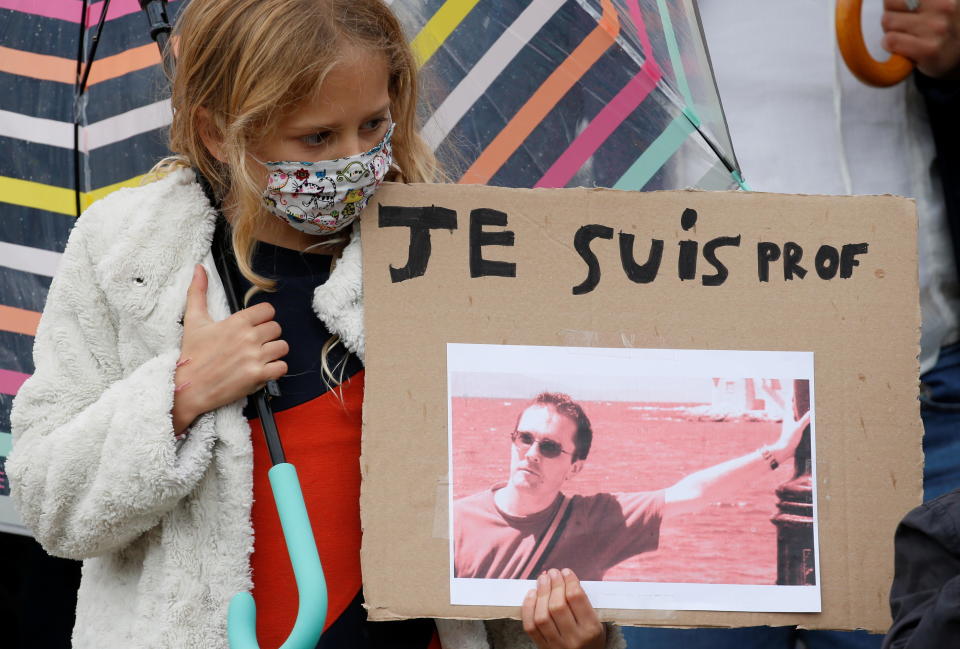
(394, 174)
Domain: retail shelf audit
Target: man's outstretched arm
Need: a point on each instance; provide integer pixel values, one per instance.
(715, 483)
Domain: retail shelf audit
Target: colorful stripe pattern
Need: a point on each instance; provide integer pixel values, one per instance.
(572, 92)
(546, 93)
(121, 134)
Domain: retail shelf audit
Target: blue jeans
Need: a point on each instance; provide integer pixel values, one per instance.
(940, 411)
(755, 637)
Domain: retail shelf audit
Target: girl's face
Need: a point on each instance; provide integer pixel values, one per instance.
(349, 115)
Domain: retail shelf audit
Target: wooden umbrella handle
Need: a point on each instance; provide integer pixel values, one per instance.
(858, 57)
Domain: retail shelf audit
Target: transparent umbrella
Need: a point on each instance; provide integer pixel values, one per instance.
(558, 93)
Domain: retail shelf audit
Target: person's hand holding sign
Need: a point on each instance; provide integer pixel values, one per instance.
(558, 614)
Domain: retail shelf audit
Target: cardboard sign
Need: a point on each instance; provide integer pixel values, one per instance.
(606, 381)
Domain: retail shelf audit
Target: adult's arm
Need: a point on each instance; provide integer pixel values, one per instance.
(717, 482)
(94, 461)
(925, 596)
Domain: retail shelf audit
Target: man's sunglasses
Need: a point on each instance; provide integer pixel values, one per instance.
(548, 448)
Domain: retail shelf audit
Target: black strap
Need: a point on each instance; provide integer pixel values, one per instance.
(226, 264)
(557, 523)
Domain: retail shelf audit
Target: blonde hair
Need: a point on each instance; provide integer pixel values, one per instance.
(246, 63)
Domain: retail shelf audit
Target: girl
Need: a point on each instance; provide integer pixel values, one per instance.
(132, 450)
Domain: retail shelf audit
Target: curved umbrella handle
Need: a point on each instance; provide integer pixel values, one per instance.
(858, 57)
(311, 586)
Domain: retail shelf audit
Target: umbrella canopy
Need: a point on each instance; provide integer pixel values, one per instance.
(558, 93)
(121, 117)
(518, 93)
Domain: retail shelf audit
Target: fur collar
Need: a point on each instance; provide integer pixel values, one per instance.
(339, 301)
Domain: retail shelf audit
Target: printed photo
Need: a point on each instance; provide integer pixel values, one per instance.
(667, 479)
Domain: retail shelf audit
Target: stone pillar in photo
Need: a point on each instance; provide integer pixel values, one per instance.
(794, 521)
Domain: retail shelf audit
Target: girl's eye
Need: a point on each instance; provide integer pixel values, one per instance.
(374, 124)
(316, 139)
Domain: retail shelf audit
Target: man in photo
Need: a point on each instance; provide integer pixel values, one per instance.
(519, 529)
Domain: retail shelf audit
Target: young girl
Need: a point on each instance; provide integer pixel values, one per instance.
(132, 449)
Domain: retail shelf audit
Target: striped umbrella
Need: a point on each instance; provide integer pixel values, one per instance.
(519, 93)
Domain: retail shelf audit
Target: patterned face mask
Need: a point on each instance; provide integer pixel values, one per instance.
(326, 196)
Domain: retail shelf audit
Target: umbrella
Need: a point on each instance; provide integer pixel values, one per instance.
(121, 121)
(856, 55)
(558, 93)
(120, 132)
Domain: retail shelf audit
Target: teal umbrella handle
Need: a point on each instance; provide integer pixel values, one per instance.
(311, 586)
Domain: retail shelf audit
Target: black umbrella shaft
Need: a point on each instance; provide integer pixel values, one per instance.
(157, 15)
(222, 252)
(159, 30)
(76, 106)
(94, 43)
(83, 74)
(162, 38)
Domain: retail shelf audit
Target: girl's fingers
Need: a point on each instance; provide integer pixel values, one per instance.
(558, 613)
(274, 349)
(257, 314)
(267, 331)
(196, 308)
(579, 603)
(526, 616)
(562, 616)
(541, 613)
(274, 370)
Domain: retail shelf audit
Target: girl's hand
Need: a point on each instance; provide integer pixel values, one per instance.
(558, 614)
(221, 362)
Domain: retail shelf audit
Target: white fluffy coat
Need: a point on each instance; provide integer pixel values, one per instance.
(163, 529)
